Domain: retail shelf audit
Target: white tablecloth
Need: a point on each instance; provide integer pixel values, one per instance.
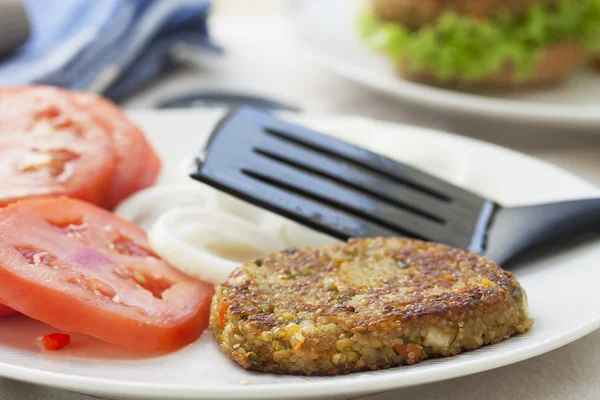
(263, 58)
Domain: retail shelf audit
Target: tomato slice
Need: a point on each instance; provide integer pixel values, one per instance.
(137, 164)
(6, 311)
(49, 147)
(82, 269)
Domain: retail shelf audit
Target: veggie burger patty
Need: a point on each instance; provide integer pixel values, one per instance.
(484, 42)
(364, 305)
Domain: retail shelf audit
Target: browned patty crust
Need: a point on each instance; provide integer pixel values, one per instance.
(416, 13)
(365, 305)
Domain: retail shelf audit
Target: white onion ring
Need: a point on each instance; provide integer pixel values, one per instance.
(267, 221)
(299, 236)
(190, 238)
(291, 233)
(146, 206)
(228, 204)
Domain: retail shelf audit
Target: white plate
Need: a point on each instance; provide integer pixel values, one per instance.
(327, 31)
(562, 288)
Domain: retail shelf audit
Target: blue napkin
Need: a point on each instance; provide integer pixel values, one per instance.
(106, 46)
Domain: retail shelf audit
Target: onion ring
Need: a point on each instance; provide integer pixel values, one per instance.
(146, 206)
(208, 244)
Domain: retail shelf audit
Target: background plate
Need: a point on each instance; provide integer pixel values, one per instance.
(327, 31)
(562, 287)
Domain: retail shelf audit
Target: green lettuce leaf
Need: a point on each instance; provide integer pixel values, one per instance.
(459, 47)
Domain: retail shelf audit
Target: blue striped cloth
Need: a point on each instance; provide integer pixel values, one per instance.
(106, 46)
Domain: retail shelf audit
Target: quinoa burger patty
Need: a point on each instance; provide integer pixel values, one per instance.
(364, 305)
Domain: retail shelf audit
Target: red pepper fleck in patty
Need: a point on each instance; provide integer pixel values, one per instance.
(56, 341)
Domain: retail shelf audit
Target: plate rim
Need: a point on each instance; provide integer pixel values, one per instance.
(315, 388)
(582, 116)
(273, 390)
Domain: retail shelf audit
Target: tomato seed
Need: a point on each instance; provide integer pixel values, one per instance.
(127, 247)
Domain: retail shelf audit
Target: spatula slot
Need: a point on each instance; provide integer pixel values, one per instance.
(362, 163)
(287, 186)
(337, 180)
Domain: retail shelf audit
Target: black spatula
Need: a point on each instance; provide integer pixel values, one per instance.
(347, 191)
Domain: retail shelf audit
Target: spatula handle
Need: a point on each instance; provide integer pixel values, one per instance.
(516, 229)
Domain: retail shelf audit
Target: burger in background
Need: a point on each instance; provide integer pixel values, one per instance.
(484, 42)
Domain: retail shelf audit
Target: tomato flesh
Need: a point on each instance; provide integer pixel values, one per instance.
(48, 147)
(82, 269)
(6, 311)
(137, 164)
(84, 138)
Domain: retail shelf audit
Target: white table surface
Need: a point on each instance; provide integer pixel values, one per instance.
(263, 58)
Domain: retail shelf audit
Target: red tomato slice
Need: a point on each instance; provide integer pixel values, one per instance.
(6, 311)
(82, 269)
(137, 163)
(49, 147)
